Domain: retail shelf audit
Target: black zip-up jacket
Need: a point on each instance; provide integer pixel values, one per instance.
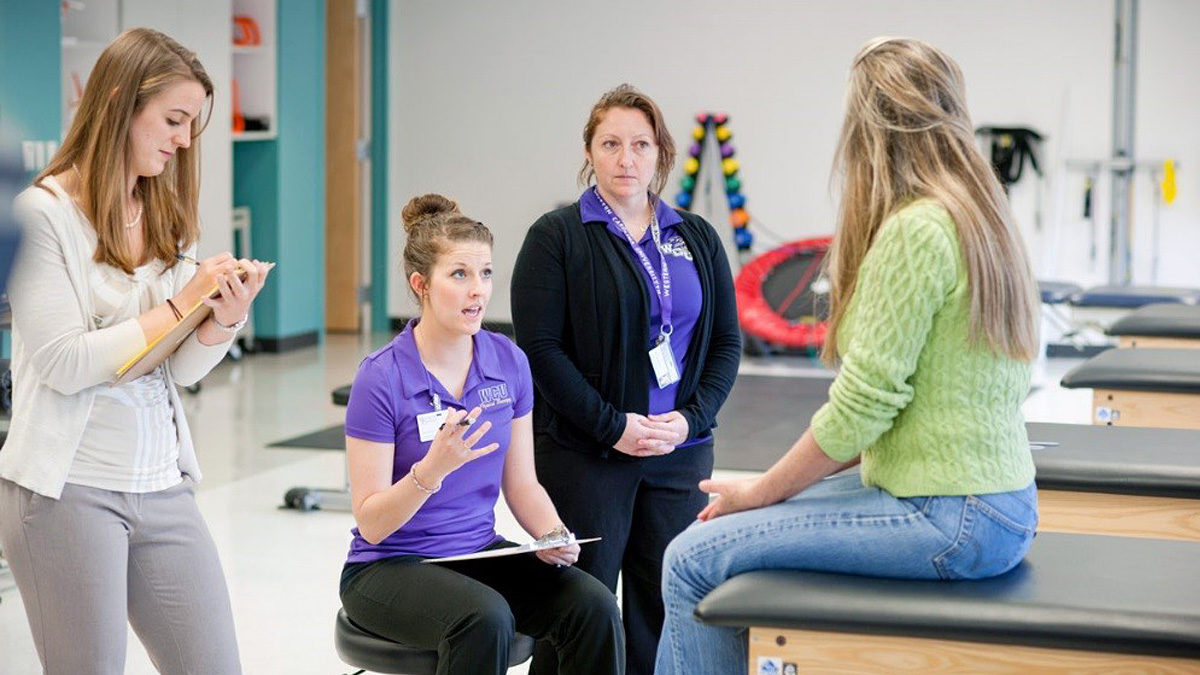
(581, 313)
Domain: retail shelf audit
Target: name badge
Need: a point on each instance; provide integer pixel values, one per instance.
(429, 423)
(663, 361)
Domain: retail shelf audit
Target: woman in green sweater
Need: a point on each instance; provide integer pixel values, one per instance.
(933, 325)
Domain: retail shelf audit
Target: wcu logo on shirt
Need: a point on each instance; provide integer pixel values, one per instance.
(675, 246)
(493, 396)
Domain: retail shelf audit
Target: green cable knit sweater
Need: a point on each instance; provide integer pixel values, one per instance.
(930, 414)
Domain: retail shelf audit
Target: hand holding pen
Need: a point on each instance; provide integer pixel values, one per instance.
(452, 447)
(233, 296)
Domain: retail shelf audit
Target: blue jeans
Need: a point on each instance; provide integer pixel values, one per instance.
(837, 525)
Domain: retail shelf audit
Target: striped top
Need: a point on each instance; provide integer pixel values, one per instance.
(130, 442)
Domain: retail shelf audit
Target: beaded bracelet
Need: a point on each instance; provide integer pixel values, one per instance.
(412, 471)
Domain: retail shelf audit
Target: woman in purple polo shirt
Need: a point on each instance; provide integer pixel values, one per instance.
(626, 309)
(425, 474)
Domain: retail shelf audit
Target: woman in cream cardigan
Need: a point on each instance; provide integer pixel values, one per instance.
(98, 516)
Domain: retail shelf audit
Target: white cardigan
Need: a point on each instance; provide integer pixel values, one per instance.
(59, 356)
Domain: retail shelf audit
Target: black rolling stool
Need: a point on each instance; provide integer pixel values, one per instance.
(305, 498)
(372, 653)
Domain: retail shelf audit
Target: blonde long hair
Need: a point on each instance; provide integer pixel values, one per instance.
(138, 65)
(908, 135)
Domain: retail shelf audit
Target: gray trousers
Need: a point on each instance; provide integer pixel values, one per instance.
(86, 563)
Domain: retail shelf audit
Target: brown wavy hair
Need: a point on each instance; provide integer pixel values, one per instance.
(137, 66)
(907, 135)
(626, 96)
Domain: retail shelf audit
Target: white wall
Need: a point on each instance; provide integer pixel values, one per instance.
(1168, 125)
(489, 101)
(206, 28)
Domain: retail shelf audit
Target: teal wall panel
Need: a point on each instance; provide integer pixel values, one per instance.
(383, 259)
(30, 66)
(256, 185)
(301, 165)
(283, 181)
(30, 98)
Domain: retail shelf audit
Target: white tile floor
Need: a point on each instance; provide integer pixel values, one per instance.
(282, 566)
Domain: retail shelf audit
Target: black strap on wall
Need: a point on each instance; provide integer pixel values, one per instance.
(1010, 149)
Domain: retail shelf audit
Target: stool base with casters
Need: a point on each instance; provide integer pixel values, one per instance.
(368, 651)
(326, 499)
(312, 499)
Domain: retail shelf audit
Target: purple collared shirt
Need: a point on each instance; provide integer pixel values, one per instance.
(393, 387)
(685, 286)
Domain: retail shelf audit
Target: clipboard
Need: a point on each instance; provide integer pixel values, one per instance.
(163, 346)
(512, 550)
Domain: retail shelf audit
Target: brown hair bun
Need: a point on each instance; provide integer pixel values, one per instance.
(430, 222)
(424, 208)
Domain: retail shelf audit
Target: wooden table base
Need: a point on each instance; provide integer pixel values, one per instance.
(1119, 515)
(800, 652)
(1125, 408)
(1153, 342)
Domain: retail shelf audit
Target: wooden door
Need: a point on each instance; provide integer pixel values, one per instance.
(345, 176)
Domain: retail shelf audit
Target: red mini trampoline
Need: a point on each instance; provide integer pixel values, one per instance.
(776, 299)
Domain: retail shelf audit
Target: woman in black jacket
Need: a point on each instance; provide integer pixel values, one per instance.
(626, 310)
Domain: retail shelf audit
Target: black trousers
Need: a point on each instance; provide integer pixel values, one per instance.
(638, 507)
(468, 611)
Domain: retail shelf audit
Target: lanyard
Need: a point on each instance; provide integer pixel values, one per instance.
(661, 288)
(434, 399)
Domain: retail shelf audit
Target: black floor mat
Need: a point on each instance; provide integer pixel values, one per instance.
(333, 438)
(761, 419)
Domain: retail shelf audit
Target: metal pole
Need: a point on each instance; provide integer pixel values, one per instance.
(1154, 223)
(1124, 109)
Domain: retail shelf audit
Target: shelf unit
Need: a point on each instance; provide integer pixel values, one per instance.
(254, 69)
(254, 136)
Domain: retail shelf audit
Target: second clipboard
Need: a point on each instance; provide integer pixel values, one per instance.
(507, 550)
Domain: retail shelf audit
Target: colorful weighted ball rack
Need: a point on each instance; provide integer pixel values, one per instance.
(716, 125)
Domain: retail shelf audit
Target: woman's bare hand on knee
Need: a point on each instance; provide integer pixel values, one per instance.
(732, 496)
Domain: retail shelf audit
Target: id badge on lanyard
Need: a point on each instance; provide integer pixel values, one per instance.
(662, 357)
(429, 423)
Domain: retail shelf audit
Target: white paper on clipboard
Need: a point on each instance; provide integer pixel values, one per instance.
(512, 550)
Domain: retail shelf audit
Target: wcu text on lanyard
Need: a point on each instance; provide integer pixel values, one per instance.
(662, 358)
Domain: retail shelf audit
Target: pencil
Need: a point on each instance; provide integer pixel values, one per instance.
(193, 261)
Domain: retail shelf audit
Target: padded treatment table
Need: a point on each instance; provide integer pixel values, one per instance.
(1126, 481)
(341, 396)
(1134, 296)
(1142, 387)
(1076, 604)
(1057, 292)
(1164, 325)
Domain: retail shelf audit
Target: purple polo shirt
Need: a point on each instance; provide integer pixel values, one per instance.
(685, 287)
(393, 387)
